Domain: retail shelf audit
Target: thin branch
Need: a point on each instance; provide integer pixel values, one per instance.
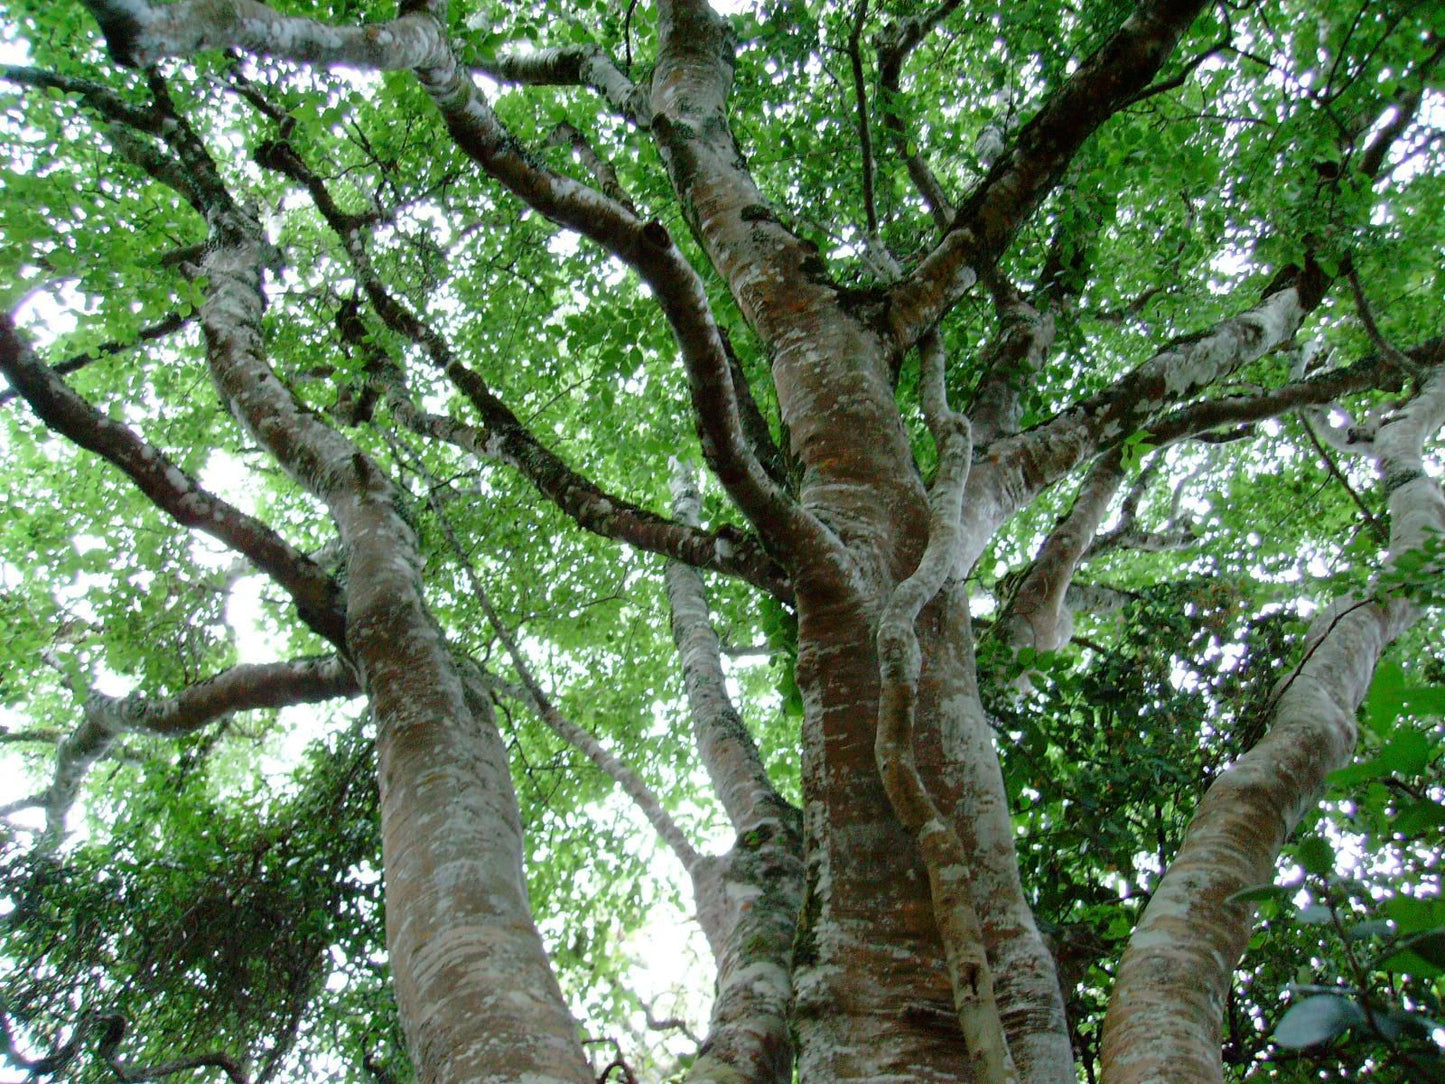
(755, 426)
(1037, 615)
(1407, 107)
(1178, 80)
(246, 687)
(503, 437)
(1371, 520)
(632, 784)
(1366, 314)
(566, 135)
(159, 330)
(97, 96)
(173, 491)
(894, 46)
(860, 94)
(224, 1062)
(1199, 418)
(725, 746)
(1127, 535)
(1181, 370)
(1031, 167)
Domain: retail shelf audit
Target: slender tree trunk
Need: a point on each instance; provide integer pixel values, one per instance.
(473, 982)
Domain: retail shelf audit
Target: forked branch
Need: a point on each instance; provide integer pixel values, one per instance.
(1032, 165)
(1164, 1016)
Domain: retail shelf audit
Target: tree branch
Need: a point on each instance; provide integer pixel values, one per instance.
(894, 46)
(140, 33)
(97, 96)
(317, 596)
(900, 662)
(1199, 418)
(632, 784)
(246, 687)
(159, 330)
(748, 902)
(1163, 1020)
(1012, 358)
(860, 95)
(725, 746)
(1019, 467)
(503, 437)
(1037, 616)
(573, 65)
(1376, 528)
(565, 134)
(1031, 167)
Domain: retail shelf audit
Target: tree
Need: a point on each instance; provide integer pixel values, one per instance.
(1066, 382)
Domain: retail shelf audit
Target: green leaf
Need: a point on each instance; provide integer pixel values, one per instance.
(1261, 892)
(1420, 817)
(1413, 914)
(1429, 946)
(1317, 1020)
(1316, 855)
(1406, 962)
(1407, 753)
(1385, 699)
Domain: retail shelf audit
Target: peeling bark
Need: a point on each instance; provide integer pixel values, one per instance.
(900, 661)
(893, 920)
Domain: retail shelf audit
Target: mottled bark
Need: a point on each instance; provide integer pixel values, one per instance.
(1037, 616)
(748, 900)
(575, 65)
(1165, 1017)
(969, 776)
(727, 750)
(900, 662)
(1016, 469)
(473, 984)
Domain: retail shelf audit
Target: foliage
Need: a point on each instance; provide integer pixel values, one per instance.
(222, 890)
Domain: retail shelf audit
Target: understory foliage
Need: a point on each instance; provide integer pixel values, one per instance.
(192, 845)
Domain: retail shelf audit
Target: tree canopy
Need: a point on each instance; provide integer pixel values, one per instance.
(947, 493)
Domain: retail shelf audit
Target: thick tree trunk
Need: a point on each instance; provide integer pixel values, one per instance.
(873, 998)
